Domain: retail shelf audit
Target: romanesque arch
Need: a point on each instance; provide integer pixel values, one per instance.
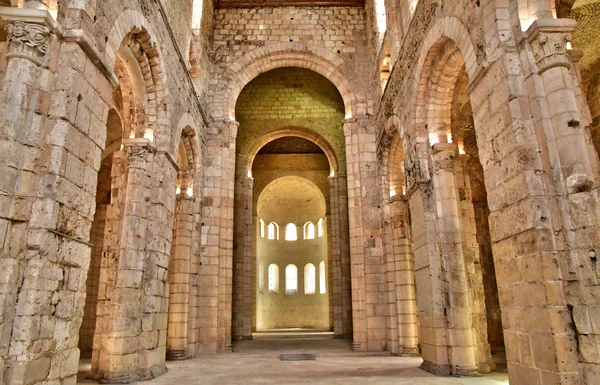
(264, 59)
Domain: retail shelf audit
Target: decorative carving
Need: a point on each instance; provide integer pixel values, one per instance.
(444, 161)
(550, 50)
(413, 173)
(28, 40)
(392, 125)
(137, 155)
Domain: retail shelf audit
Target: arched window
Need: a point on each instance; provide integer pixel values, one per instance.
(320, 228)
(309, 230)
(310, 278)
(274, 278)
(262, 228)
(197, 14)
(291, 279)
(273, 231)
(322, 279)
(291, 233)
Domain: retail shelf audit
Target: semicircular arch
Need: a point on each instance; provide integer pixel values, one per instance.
(300, 132)
(264, 59)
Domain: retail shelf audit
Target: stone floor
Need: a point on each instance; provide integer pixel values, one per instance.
(258, 362)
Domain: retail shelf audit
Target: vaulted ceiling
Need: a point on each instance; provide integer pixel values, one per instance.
(287, 3)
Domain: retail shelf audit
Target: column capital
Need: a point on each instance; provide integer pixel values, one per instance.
(137, 151)
(444, 156)
(416, 172)
(548, 39)
(29, 32)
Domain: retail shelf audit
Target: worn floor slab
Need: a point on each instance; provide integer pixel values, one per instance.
(243, 369)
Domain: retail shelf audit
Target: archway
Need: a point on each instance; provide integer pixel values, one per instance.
(289, 126)
(455, 274)
(298, 206)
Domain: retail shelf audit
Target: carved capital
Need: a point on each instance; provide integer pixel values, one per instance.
(392, 126)
(415, 172)
(444, 156)
(29, 32)
(137, 151)
(27, 40)
(548, 40)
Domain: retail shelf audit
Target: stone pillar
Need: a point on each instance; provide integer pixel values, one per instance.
(389, 260)
(335, 262)
(366, 237)
(179, 278)
(217, 238)
(345, 257)
(243, 259)
(404, 277)
(120, 359)
(458, 304)
(548, 39)
(28, 281)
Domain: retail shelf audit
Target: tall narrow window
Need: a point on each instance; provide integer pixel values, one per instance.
(310, 284)
(291, 233)
(274, 278)
(321, 229)
(322, 280)
(309, 230)
(262, 228)
(273, 231)
(291, 279)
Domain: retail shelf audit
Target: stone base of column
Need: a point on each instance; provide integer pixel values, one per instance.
(466, 371)
(228, 348)
(338, 337)
(247, 338)
(176, 355)
(358, 347)
(437, 369)
(409, 351)
(128, 377)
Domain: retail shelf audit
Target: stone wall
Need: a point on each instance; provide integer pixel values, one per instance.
(56, 135)
(523, 216)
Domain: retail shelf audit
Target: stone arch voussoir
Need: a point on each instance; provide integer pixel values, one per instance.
(264, 59)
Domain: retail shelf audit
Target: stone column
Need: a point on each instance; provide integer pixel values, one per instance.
(461, 344)
(26, 281)
(119, 359)
(404, 277)
(217, 233)
(243, 259)
(389, 256)
(366, 237)
(548, 39)
(179, 277)
(335, 263)
(345, 257)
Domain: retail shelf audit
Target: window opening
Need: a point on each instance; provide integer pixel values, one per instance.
(322, 279)
(291, 233)
(310, 285)
(291, 279)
